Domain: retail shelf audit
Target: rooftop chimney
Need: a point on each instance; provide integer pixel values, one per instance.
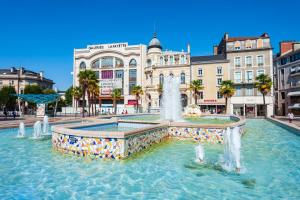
(215, 49)
(226, 36)
(286, 46)
(12, 69)
(189, 48)
(42, 74)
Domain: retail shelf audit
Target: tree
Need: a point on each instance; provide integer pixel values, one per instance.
(49, 91)
(33, 89)
(85, 79)
(77, 94)
(7, 98)
(68, 96)
(263, 84)
(137, 91)
(195, 87)
(227, 91)
(93, 90)
(116, 95)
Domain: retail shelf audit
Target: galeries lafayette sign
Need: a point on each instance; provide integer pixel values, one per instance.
(108, 46)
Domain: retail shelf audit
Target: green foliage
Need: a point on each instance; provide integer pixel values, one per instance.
(137, 91)
(226, 89)
(33, 89)
(7, 98)
(49, 91)
(68, 96)
(116, 93)
(263, 83)
(196, 87)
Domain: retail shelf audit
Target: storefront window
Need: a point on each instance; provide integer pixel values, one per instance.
(107, 62)
(119, 62)
(107, 74)
(132, 79)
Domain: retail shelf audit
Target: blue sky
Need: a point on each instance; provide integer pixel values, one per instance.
(41, 34)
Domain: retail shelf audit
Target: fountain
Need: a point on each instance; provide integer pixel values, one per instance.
(171, 100)
(232, 146)
(199, 153)
(45, 125)
(21, 131)
(37, 130)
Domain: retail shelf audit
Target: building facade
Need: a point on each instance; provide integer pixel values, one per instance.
(124, 66)
(287, 78)
(249, 57)
(211, 71)
(19, 78)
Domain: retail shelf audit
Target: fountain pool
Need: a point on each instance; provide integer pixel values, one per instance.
(30, 169)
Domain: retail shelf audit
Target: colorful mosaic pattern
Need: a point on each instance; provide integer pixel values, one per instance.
(92, 147)
(139, 142)
(210, 135)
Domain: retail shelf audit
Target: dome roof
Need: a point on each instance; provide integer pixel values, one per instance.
(154, 43)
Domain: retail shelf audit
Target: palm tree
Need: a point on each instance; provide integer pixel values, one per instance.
(86, 77)
(263, 84)
(116, 95)
(195, 87)
(77, 94)
(227, 91)
(93, 93)
(137, 91)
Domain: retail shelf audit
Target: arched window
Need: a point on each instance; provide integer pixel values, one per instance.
(82, 65)
(132, 63)
(171, 74)
(96, 64)
(161, 60)
(149, 62)
(161, 79)
(107, 62)
(171, 60)
(119, 62)
(248, 44)
(182, 59)
(182, 78)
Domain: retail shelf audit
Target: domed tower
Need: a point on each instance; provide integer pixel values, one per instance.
(154, 51)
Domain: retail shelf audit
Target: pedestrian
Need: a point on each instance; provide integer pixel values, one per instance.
(5, 113)
(14, 114)
(291, 117)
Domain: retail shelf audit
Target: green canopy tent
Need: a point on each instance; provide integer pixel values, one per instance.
(40, 98)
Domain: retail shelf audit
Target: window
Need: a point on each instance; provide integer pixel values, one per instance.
(119, 62)
(248, 61)
(237, 61)
(238, 91)
(260, 60)
(132, 63)
(161, 79)
(182, 78)
(171, 60)
(248, 44)
(107, 74)
(237, 77)
(249, 91)
(283, 95)
(149, 62)
(96, 64)
(201, 96)
(107, 62)
(11, 82)
(219, 95)
(200, 72)
(1, 82)
(161, 60)
(182, 60)
(219, 71)
(119, 74)
(219, 81)
(237, 45)
(201, 81)
(82, 65)
(132, 79)
(249, 76)
(97, 74)
(260, 71)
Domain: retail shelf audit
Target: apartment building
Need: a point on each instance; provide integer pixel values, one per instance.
(287, 78)
(249, 57)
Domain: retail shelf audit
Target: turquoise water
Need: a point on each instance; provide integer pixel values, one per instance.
(198, 120)
(113, 127)
(30, 169)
